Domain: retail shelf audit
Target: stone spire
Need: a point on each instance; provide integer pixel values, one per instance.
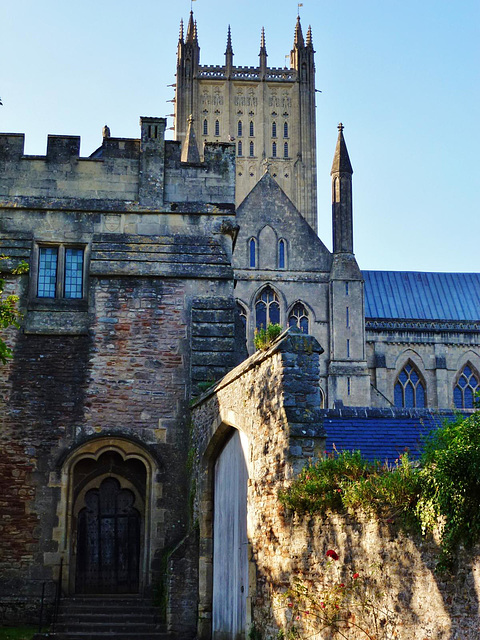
(190, 148)
(341, 161)
(229, 54)
(229, 48)
(191, 30)
(180, 35)
(309, 37)
(263, 54)
(298, 40)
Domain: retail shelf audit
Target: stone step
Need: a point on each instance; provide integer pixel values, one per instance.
(133, 617)
(127, 635)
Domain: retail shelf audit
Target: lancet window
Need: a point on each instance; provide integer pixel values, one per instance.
(252, 150)
(285, 149)
(217, 127)
(205, 127)
(298, 317)
(239, 128)
(252, 253)
(409, 388)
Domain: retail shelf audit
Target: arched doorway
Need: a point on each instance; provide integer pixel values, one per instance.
(230, 542)
(108, 540)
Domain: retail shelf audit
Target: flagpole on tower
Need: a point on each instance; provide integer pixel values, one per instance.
(300, 4)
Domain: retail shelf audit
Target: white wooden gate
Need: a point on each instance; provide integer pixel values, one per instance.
(230, 548)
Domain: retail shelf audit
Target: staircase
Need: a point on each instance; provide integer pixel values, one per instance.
(108, 617)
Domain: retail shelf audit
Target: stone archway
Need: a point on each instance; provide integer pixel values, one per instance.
(107, 512)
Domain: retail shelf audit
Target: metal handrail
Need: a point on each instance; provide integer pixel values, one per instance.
(58, 593)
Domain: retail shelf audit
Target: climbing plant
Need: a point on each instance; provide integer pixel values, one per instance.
(9, 313)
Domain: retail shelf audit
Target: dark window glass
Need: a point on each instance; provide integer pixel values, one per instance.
(274, 149)
(239, 128)
(73, 273)
(252, 149)
(285, 149)
(274, 129)
(285, 129)
(242, 312)
(465, 389)
(240, 148)
(252, 130)
(409, 390)
(253, 247)
(281, 254)
(205, 128)
(47, 272)
(267, 308)
(217, 128)
(298, 317)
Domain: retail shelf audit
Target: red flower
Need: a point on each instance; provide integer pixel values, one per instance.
(337, 607)
(341, 585)
(332, 554)
(355, 576)
(290, 604)
(322, 604)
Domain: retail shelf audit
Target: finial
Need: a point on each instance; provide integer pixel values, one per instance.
(229, 41)
(340, 127)
(262, 39)
(190, 29)
(106, 131)
(309, 36)
(298, 40)
(180, 35)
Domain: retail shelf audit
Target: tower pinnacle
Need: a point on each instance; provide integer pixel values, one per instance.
(229, 49)
(180, 35)
(309, 37)
(191, 31)
(341, 160)
(298, 39)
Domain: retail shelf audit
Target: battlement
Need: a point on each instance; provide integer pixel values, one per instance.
(146, 172)
(248, 73)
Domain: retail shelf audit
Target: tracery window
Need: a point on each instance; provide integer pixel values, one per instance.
(252, 150)
(240, 148)
(267, 308)
(298, 317)
(285, 149)
(409, 388)
(465, 389)
(217, 127)
(252, 249)
(274, 129)
(205, 127)
(281, 254)
(252, 130)
(239, 128)
(285, 129)
(274, 149)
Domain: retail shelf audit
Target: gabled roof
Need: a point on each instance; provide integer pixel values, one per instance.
(422, 296)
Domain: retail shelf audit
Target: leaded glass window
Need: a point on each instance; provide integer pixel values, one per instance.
(274, 149)
(240, 148)
(281, 254)
(267, 308)
(47, 272)
(274, 129)
(239, 128)
(465, 389)
(252, 130)
(409, 389)
(298, 317)
(73, 273)
(217, 127)
(252, 150)
(285, 129)
(252, 252)
(285, 149)
(205, 127)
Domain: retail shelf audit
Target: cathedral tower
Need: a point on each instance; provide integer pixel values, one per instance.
(268, 112)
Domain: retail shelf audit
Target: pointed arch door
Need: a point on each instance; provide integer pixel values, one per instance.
(108, 541)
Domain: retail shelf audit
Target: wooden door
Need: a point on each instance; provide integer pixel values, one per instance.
(230, 543)
(108, 541)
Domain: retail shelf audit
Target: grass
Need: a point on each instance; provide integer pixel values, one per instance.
(17, 633)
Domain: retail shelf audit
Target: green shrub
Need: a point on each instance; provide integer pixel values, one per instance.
(264, 337)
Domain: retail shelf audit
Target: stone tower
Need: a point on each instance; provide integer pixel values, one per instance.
(348, 377)
(268, 112)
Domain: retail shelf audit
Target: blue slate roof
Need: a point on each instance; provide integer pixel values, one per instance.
(422, 296)
(380, 434)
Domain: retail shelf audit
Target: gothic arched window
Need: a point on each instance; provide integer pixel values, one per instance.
(240, 149)
(274, 149)
(252, 253)
(465, 389)
(267, 308)
(239, 128)
(409, 388)
(285, 129)
(285, 149)
(274, 129)
(217, 127)
(252, 150)
(281, 254)
(205, 127)
(252, 130)
(298, 317)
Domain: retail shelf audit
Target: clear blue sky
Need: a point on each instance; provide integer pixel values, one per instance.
(403, 77)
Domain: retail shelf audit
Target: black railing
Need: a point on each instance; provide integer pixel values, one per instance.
(56, 602)
(58, 594)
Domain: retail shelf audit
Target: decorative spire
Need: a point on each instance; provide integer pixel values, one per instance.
(190, 29)
(180, 35)
(229, 48)
(262, 39)
(263, 55)
(190, 148)
(309, 37)
(298, 40)
(195, 33)
(341, 161)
